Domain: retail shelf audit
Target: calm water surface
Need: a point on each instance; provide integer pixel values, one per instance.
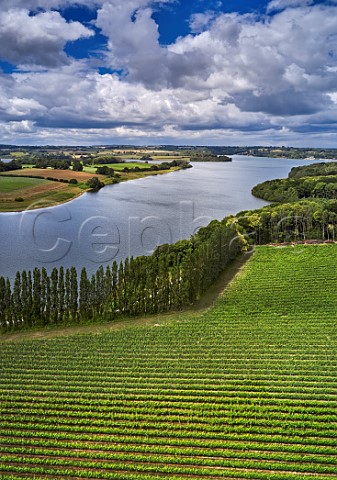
(132, 218)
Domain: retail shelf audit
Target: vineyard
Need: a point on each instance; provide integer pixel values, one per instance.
(247, 390)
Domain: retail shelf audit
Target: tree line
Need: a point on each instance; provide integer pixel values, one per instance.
(310, 181)
(8, 166)
(172, 278)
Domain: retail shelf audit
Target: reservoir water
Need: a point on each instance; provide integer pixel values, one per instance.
(131, 218)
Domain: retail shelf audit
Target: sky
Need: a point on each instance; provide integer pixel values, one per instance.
(181, 72)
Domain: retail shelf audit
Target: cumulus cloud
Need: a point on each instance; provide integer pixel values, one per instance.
(55, 100)
(278, 5)
(286, 54)
(268, 65)
(133, 40)
(272, 75)
(201, 21)
(38, 39)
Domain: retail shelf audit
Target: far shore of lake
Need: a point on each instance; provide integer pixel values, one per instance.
(53, 187)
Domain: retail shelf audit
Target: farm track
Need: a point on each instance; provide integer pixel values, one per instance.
(246, 390)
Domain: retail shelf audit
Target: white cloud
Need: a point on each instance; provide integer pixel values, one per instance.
(278, 5)
(237, 53)
(39, 39)
(133, 40)
(201, 21)
(242, 75)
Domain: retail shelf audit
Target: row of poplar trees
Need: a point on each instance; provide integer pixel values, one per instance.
(173, 277)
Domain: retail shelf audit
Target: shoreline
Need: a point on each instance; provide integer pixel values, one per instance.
(37, 201)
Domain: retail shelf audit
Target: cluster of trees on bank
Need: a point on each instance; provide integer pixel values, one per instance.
(51, 160)
(58, 161)
(8, 166)
(102, 159)
(309, 181)
(291, 152)
(209, 157)
(314, 170)
(314, 219)
(161, 166)
(173, 277)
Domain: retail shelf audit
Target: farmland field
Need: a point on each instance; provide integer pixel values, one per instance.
(8, 185)
(20, 193)
(115, 166)
(247, 390)
(46, 189)
(53, 173)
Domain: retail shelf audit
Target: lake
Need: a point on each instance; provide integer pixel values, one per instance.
(131, 218)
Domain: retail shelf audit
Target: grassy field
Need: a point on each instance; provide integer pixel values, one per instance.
(20, 193)
(115, 166)
(9, 185)
(49, 192)
(246, 390)
(124, 176)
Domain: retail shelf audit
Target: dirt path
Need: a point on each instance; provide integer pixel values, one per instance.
(205, 302)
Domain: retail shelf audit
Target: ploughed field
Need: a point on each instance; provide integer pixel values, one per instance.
(246, 390)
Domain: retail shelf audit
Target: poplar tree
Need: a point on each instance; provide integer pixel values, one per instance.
(17, 305)
(8, 303)
(115, 299)
(45, 296)
(99, 294)
(120, 288)
(84, 299)
(92, 303)
(61, 295)
(54, 297)
(29, 298)
(67, 297)
(108, 293)
(36, 314)
(163, 297)
(3, 306)
(73, 293)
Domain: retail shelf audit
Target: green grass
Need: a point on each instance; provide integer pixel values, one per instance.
(116, 166)
(8, 185)
(246, 390)
(17, 154)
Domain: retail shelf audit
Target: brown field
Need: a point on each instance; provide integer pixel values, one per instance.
(58, 174)
(33, 191)
(55, 192)
(46, 193)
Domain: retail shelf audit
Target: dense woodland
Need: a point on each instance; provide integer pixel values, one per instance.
(174, 276)
(8, 166)
(310, 181)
